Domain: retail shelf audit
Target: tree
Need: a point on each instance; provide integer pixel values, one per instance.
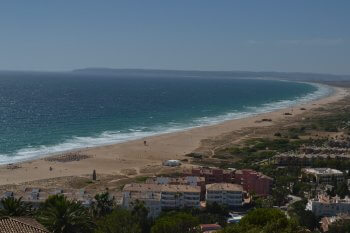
(264, 220)
(263, 202)
(279, 195)
(340, 226)
(14, 207)
(342, 190)
(304, 217)
(60, 215)
(176, 222)
(104, 204)
(119, 221)
(140, 213)
(215, 208)
(214, 213)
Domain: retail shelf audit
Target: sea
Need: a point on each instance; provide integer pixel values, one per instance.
(45, 113)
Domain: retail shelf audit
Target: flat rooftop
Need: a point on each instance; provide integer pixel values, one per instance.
(224, 187)
(322, 171)
(134, 187)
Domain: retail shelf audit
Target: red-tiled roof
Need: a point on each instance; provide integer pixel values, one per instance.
(11, 225)
(209, 227)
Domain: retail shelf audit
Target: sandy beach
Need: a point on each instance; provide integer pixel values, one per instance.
(133, 157)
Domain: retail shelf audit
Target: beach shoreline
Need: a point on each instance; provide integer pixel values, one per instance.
(120, 158)
(107, 137)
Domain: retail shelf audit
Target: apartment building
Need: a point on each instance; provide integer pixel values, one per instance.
(151, 200)
(225, 194)
(324, 175)
(327, 206)
(326, 222)
(254, 182)
(157, 197)
(187, 180)
(211, 175)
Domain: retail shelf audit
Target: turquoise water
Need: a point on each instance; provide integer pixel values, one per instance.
(43, 113)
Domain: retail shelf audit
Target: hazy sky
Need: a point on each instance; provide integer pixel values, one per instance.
(280, 35)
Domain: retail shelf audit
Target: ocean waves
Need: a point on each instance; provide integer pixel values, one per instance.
(119, 136)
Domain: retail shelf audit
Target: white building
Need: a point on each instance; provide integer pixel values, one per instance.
(180, 196)
(157, 197)
(324, 175)
(225, 194)
(150, 200)
(326, 206)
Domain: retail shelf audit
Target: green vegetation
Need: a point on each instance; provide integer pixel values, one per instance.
(175, 222)
(119, 221)
(140, 213)
(331, 163)
(304, 217)
(341, 226)
(260, 149)
(14, 207)
(104, 204)
(341, 190)
(141, 179)
(264, 220)
(60, 215)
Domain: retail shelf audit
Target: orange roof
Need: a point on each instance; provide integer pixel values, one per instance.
(11, 225)
(209, 227)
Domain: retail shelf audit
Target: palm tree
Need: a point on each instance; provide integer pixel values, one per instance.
(14, 207)
(104, 204)
(60, 215)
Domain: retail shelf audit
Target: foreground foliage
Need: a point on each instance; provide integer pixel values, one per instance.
(13, 207)
(176, 222)
(263, 220)
(60, 215)
(104, 205)
(119, 221)
(342, 226)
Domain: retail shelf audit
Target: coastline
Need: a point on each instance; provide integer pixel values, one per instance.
(115, 159)
(115, 137)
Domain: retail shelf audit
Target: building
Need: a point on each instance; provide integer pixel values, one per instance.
(151, 201)
(326, 206)
(302, 160)
(36, 196)
(254, 182)
(157, 197)
(326, 222)
(225, 194)
(187, 180)
(26, 225)
(324, 175)
(180, 196)
(211, 175)
(209, 228)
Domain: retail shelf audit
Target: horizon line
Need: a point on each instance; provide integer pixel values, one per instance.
(172, 70)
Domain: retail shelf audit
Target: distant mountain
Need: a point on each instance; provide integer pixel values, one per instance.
(297, 76)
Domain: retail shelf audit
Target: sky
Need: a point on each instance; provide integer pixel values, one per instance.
(250, 35)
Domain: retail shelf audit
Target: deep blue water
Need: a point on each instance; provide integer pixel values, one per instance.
(46, 113)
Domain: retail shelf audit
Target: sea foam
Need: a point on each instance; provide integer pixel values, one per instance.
(114, 137)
